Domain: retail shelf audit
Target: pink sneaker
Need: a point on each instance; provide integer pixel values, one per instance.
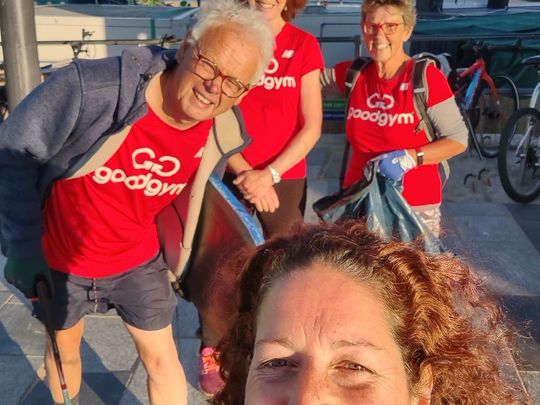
(210, 381)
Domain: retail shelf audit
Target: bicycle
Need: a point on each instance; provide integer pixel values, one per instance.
(519, 151)
(486, 101)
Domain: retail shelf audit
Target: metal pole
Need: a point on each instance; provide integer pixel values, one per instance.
(17, 25)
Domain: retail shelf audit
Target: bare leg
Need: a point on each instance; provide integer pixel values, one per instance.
(157, 350)
(69, 345)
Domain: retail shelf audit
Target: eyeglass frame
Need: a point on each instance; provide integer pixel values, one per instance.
(198, 56)
(380, 27)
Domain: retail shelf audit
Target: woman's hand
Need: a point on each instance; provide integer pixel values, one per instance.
(255, 184)
(268, 203)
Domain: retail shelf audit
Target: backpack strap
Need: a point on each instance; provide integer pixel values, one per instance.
(352, 74)
(350, 80)
(421, 95)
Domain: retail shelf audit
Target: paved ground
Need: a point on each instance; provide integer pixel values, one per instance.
(501, 238)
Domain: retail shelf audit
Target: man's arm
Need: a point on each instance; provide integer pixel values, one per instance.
(35, 132)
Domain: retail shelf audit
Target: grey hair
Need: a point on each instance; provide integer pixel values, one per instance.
(252, 24)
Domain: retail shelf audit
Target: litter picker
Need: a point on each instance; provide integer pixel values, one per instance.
(44, 297)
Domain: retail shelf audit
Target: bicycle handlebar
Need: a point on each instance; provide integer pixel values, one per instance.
(478, 46)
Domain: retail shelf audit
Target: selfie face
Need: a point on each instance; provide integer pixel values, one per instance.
(324, 338)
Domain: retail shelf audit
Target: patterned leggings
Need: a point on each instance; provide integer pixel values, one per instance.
(432, 218)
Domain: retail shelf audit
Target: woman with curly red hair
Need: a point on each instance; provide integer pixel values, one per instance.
(333, 314)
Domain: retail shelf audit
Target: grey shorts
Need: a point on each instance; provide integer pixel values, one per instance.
(143, 296)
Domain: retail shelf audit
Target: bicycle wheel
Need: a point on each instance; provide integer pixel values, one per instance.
(491, 118)
(519, 156)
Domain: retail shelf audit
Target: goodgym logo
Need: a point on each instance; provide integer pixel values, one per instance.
(144, 159)
(377, 112)
(384, 102)
(275, 82)
(164, 166)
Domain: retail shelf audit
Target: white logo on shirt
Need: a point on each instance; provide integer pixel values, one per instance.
(380, 116)
(199, 153)
(273, 66)
(144, 159)
(384, 102)
(169, 167)
(287, 53)
(273, 82)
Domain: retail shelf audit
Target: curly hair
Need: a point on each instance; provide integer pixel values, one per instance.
(441, 315)
(406, 7)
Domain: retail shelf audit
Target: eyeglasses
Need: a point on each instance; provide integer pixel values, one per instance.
(387, 28)
(206, 69)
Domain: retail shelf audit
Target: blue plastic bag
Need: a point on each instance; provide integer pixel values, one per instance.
(377, 201)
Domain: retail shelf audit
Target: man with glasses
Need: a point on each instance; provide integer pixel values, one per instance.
(88, 160)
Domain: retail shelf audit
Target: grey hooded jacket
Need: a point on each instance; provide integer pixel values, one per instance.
(65, 122)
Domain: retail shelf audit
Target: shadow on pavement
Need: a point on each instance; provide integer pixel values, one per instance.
(107, 387)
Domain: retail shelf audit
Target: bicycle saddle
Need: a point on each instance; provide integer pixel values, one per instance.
(532, 60)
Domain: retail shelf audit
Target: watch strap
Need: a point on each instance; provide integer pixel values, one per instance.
(276, 177)
(419, 156)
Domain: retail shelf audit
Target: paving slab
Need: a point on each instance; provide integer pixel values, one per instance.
(485, 228)
(107, 345)
(136, 392)
(189, 349)
(504, 266)
(96, 389)
(186, 320)
(528, 218)
(3, 282)
(528, 350)
(20, 333)
(19, 375)
(525, 311)
(475, 209)
(531, 380)
(5, 296)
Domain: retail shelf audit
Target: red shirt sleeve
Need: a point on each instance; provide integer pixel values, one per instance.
(439, 89)
(340, 70)
(313, 58)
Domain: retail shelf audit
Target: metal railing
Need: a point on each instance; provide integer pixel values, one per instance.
(357, 39)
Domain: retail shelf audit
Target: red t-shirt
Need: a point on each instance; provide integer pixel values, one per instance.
(102, 223)
(271, 110)
(381, 118)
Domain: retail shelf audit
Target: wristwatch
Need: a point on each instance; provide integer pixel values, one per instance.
(419, 157)
(276, 177)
